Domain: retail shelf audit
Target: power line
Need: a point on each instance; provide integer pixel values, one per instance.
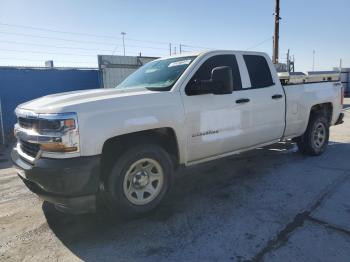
(149, 47)
(57, 38)
(79, 33)
(96, 42)
(93, 35)
(90, 42)
(43, 52)
(150, 42)
(57, 31)
(54, 46)
(42, 60)
(200, 47)
(81, 41)
(260, 43)
(47, 53)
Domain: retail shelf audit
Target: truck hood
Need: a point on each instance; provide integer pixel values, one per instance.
(64, 102)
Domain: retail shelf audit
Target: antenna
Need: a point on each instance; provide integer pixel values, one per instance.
(340, 68)
(123, 34)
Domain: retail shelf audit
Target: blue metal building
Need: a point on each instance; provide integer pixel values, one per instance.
(20, 84)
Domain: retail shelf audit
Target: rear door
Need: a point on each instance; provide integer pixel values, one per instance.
(266, 100)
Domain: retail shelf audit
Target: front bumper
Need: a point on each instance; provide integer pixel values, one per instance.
(71, 184)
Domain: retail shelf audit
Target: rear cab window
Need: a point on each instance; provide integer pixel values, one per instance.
(259, 71)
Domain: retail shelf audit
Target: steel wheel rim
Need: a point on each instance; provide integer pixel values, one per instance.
(319, 135)
(143, 181)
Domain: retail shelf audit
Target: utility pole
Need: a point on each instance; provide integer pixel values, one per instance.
(123, 34)
(277, 32)
(313, 60)
(340, 69)
(170, 49)
(174, 50)
(288, 62)
(273, 45)
(180, 48)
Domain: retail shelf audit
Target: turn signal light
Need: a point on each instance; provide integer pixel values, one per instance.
(57, 148)
(69, 124)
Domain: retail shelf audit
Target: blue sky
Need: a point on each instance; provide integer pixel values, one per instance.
(323, 26)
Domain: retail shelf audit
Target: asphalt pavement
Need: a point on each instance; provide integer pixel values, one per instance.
(270, 204)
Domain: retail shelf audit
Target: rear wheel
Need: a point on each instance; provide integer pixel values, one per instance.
(315, 139)
(139, 180)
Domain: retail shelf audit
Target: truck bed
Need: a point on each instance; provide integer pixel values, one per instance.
(300, 98)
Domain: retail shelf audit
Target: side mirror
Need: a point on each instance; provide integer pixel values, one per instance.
(220, 83)
(221, 77)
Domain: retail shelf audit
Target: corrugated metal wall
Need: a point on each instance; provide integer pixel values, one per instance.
(345, 79)
(18, 85)
(114, 69)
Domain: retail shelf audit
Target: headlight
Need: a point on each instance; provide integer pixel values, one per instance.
(46, 125)
(63, 128)
(46, 135)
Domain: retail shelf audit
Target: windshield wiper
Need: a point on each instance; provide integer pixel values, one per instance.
(165, 88)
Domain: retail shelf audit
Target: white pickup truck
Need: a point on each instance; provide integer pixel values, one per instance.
(122, 145)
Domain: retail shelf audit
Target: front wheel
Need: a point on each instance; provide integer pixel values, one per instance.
(315, 139)
(139, 180)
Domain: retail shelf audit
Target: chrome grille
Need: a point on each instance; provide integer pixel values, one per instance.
(30, 149)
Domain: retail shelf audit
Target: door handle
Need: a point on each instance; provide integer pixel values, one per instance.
(277, 96)
(242, 100)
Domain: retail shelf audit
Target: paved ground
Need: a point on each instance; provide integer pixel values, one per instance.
(271, 204)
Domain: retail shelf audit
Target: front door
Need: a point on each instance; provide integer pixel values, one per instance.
(215, 124)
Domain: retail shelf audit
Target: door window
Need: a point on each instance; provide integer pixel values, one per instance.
(258, 70)
(204, 72)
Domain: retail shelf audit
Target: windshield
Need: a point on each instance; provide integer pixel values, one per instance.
(159, 75)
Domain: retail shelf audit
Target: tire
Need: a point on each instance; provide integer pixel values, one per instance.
(315, 139)
(132, 178)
